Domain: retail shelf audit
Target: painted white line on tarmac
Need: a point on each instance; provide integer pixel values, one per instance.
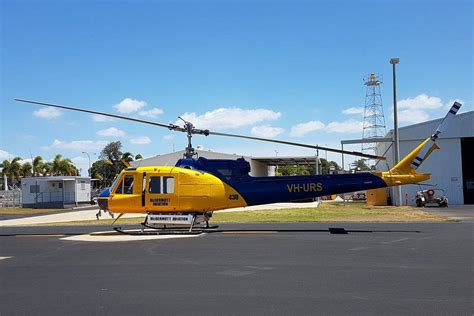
(113, 236)
(394, 241)
(3, 258)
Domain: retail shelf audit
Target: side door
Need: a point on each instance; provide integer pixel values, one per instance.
(161, 193)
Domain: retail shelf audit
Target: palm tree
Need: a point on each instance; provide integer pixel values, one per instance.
(15, 166)
(47, 169)
(26, 169)
(63, 167)
(10, 170)
(5, 171)
(37, 165)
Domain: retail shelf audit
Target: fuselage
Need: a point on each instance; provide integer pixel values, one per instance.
(202, 185)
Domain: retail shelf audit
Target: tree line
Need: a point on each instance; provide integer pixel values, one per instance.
(111, 161)
(15, 169)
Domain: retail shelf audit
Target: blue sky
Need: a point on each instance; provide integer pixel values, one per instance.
(287, 69)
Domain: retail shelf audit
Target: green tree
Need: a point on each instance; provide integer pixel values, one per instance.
(293, 170)
(10, 171)
(37, 166)
(138, 156)
(47, 169)
(63, 167)
(26, 169)
(112, 151)
(360, 165)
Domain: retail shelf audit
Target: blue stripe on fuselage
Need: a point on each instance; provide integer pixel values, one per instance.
(264, 190)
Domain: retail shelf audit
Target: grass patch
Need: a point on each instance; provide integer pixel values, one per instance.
(326, 212)
(32, 211)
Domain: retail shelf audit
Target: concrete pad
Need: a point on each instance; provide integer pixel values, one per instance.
(89, 214)
(113, 236)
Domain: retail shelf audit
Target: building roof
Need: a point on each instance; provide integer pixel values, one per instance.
(170, 159)
(55, 178)
(461, 126)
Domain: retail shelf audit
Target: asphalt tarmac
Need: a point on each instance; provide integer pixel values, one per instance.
(246, 269)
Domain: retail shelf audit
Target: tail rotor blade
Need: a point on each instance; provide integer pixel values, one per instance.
(447, 119)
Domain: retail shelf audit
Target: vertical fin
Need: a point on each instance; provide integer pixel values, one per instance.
(414, 159)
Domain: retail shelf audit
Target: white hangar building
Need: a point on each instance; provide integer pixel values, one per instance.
(451, 167)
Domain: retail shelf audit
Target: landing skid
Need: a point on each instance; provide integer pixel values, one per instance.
(156, 232)
(168, 230)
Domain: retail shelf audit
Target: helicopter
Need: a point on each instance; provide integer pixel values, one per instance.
(189, 192)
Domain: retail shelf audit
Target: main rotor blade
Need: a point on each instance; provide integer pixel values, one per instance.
(169, 126)
(353, 153)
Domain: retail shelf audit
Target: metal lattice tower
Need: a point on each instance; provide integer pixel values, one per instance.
(374, 120)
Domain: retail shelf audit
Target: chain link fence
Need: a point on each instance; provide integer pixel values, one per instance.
(11, 198)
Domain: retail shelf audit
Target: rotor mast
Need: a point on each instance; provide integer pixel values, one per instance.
(189, 127)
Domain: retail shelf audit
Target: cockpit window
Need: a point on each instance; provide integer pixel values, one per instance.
(119, 189)
(128, 184)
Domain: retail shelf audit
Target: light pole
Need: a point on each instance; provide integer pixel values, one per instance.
(396, 147)
(88, 156)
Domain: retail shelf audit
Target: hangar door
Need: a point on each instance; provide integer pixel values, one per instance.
(467, 154)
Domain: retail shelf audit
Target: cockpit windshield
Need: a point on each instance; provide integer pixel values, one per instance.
(114, 182)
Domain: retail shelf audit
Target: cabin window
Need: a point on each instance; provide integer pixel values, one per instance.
(83, 185)
(161, 185)
(128, 184)
(155, 185)
(168, 185)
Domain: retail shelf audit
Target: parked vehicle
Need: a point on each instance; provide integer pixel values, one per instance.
(431, 196)
(360, 195)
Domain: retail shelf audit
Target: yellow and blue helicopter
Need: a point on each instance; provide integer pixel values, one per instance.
(189, 192)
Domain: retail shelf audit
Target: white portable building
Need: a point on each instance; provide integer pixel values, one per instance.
(55, 191)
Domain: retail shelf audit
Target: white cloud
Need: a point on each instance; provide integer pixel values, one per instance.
(142, 140)
(48, 113)
(5, 155)
(266, 131)
(102, 118)
(420, 102)
(416, 110)
(129, 105)
(111, 132)
(82, 163)
(305, 128)
(78, 145)
(155, 112)
(26, 160)
(168, 137)
(349, 126)
(412, 116)
(353, 111)
(229, 118)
